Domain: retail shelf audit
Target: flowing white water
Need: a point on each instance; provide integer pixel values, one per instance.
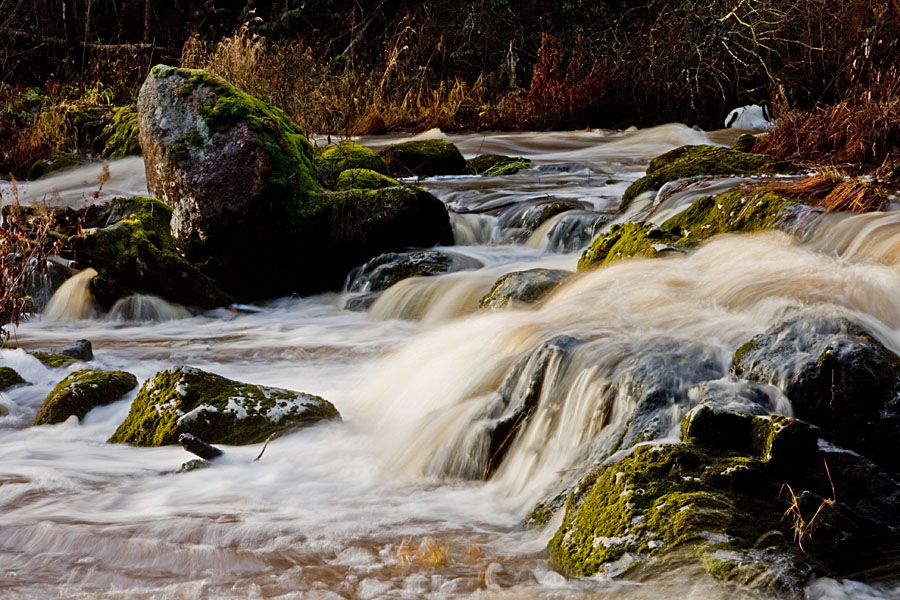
(380, 505)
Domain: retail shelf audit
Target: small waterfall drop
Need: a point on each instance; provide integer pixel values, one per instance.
(144, 308)
(73, 301)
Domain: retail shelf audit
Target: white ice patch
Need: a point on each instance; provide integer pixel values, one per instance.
(715, 538)
(236, 406)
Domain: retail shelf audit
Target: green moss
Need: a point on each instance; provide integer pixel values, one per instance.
(121, 134)
(720, 569)
(646, 504)
(735, 211)
(332, 161)
(746, 142)
(689, 161)
(363, 179)
(56, 162)
(496, 164)
(424, 158)
(626, 240)
(216, 409)
(54, 361)
(81, 391)
(9, 377)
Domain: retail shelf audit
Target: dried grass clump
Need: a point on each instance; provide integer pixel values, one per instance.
(861, 133)
(834, 192)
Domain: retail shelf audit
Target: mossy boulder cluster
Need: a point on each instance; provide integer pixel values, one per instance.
(82, 391)
(333, 161)
(756, 499)
(215, 409)
(248, 201)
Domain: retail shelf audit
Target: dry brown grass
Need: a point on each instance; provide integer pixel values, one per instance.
(834, 192)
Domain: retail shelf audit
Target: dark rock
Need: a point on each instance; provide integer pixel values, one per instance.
(522, 288)
(82, 391)
(837, 376)
(424, 158)
(218, 410)
(387, 269)
(361, 303)
(81, 349)
(9, 377)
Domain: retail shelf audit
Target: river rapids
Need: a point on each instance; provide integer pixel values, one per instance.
(381, 505)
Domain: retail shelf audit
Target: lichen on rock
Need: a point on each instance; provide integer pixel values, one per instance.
(82, 391)
(218, 410)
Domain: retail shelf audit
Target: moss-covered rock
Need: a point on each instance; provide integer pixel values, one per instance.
(736, 211)
(121, 136)
(756, 507)
(215, 409)
(837, 376)
(82, 391)
(9, 377)
(746, 142)
(626, 240)
(522, 288)
(135, 252)
(53, 360)
(424, 158)
(238, 174)
(334, 160)
(496, 165)
(689, 161)
(363, 179)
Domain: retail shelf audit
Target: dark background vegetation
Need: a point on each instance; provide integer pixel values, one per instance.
(350, 67)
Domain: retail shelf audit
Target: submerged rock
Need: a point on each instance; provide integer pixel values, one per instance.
(218, 410)
(424, 158)
(385, 270)
(53, 360)
(134, 252)
(9, 377)
(82, 391)
(689, 161)
(522, 288)
(837, 376)
(757, 500)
